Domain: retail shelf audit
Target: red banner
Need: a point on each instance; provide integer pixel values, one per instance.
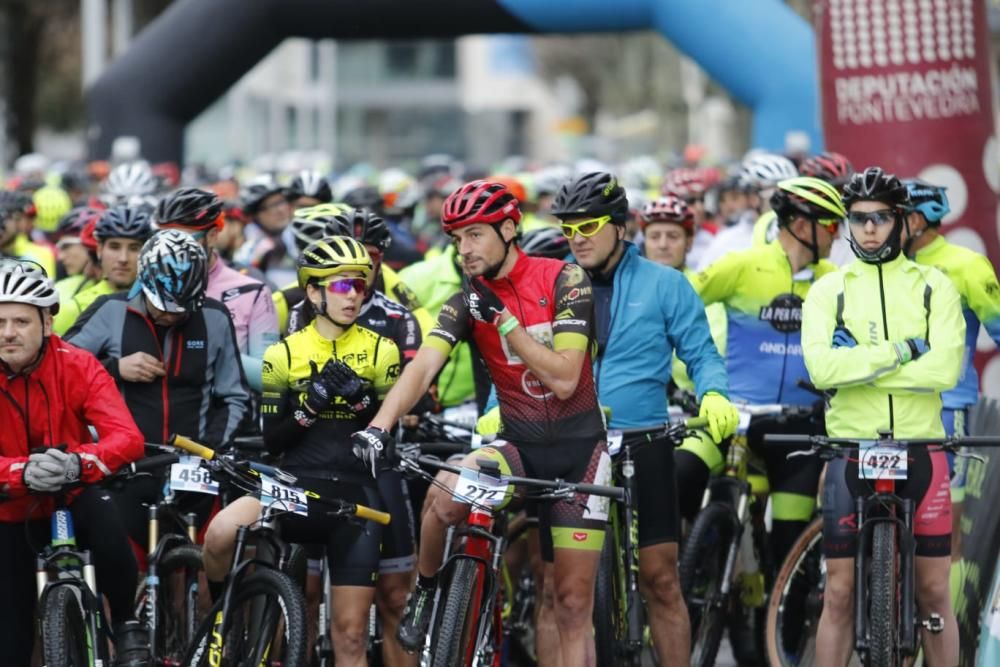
(906, 85)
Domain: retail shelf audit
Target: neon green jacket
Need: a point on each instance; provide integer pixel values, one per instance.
(976, 282)
(433, 281)
(24, 248)
(874, 391)
(72, 309)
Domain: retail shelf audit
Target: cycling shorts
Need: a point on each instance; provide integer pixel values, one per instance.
(352, 547)
(926, 484)
(578, 522)
(656, 480)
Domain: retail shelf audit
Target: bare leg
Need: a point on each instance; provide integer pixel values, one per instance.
(573, 573)
(668, 616)
(835, 634)
(349, 624)
(933, 596)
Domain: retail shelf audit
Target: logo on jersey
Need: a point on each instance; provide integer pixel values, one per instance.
(784, 313)
(194, 344)
(579, 537)
(392, 372)
(541, 332)
(533, 387)
(574, 275)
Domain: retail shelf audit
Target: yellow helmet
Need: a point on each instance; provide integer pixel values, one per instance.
(321, 210)
(332, 256)
(51, 204)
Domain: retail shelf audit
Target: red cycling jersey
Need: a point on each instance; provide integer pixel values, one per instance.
(553, 301)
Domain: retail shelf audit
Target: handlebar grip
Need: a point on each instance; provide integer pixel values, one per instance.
(153, 463)
(615, 492)
(192, 447)
(787, 438)
(980, 441)
(696, 422)
(363, 512)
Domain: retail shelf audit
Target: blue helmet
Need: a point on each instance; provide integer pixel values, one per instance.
(927, 199)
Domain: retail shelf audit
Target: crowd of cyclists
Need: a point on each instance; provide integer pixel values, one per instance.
(550, 303)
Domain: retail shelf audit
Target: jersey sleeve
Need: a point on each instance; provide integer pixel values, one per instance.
(939, 368)
(453, 325)
(274, 378)
(262, 331)
(691, 339)
(574, 304)
(717, 282)
(983, 295)
(387, 367)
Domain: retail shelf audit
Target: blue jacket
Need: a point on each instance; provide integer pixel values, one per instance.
(654, 311)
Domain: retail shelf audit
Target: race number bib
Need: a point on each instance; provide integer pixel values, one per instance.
(289, 498)
(477, 488)
(614, 442)
(188, 475)
(880, 462)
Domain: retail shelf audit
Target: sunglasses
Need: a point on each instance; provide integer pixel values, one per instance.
(345, 285)
(831, 225)
(883, 216)
(585, 228)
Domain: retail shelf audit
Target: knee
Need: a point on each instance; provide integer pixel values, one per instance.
(838, 599)
(351, 634)
(661, 586)
(573, 602)
(219, 537)
(391, 599)
(934, 593)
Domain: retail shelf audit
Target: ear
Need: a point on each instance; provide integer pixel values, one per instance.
(47, 323)
(621, 230)
(508, 229)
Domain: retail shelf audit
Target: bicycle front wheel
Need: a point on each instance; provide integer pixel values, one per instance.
(883, 599)
(796, 602)
(702, 567)
(64, 635)
(454, 636)
(177, 604)
(264, 625)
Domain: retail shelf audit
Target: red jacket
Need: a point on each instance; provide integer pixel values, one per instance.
(53, 405)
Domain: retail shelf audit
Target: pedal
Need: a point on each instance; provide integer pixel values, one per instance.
(934, 624)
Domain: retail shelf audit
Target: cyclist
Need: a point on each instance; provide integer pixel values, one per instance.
(308, 188)
(320, 384)
(248, 300)
(692, 185)
(120, 233)
(888, 335)
(130, 183)
(50, 203)
(553, 426)
(976, 281)
(762, 172)
(643, 312)
(762, 290)
(14, 241)
(265, 205)
(75, 257)
(52, 392)
(173, 353)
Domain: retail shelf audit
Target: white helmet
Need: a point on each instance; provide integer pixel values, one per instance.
(764, 170)
(131, 179)
(24, 281)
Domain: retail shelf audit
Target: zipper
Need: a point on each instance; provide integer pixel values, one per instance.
(885, 329)
(163, 383)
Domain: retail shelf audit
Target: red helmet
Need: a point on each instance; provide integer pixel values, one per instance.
(687, 182)
(668, 208)
(87, 237)
(833, 168)
(479, 202)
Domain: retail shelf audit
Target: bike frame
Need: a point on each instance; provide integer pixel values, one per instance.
(900, 512)
(623, 518)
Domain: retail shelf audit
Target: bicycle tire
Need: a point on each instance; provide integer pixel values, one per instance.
(457, 620)
(64, 635)
(175, 628)
(882, 598)
(798, 580)
(608, 621)
(702, 563)
(276, 586)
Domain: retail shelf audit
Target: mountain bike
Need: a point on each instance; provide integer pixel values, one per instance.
(723, 563)
(259, 620)
(71, 622)
(467, 623)
(885, 612)
(619, 613)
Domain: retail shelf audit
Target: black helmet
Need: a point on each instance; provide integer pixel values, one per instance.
(307, 229)
(366, 227)
(190, 208)
(256, 191)
(597, 193)
(873, 184)
(545, 242)
(365, 196)
(12, 202)
(123, 222)
(311, 184)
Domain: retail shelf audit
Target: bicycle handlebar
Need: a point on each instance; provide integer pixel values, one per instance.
(692, 422)
(192, 447)
(820, 441)
(363, 512)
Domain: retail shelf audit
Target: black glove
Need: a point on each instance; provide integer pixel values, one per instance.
(349, 385)
(483, 304)
(320, 394)
(374, 447)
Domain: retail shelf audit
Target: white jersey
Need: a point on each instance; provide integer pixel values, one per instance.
(730, 239)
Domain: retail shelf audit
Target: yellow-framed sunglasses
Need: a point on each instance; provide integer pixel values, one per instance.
(585, 228)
